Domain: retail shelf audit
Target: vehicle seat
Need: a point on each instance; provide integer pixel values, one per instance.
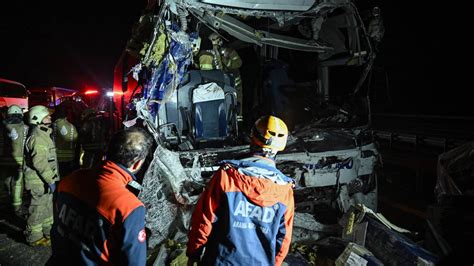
(209, 112)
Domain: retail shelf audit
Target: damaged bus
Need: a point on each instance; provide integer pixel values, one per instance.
(307, 63)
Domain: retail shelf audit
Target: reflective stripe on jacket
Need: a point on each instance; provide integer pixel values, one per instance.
(12, 141)
(231, 59)
(65, 138)
(206, 61)
(41, 166)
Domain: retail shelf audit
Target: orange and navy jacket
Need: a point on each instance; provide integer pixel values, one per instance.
(97, 220)
(242, 219)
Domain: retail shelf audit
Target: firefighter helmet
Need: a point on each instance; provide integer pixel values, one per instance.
(14, 110)
(269, 132)
(37, 113)
(196, 45)
(216, 39)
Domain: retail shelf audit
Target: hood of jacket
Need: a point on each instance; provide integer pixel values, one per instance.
(261, 182)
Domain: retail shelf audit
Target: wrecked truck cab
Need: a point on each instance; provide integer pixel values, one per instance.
(194, 113)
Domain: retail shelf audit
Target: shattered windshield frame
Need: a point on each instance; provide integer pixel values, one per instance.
(354, 49)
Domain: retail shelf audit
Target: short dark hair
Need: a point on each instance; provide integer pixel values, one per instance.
(60, 112)
(128, 146)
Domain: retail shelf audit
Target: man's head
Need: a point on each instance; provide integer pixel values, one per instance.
(60, 112)
(269, 135)
(39, 114)
(129, 147)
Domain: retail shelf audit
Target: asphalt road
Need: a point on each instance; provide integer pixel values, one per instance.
(13, 249)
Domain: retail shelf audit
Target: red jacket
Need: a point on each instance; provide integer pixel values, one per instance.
(98, 220)
(241, 219)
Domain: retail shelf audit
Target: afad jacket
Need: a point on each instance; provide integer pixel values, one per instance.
(98, 221)
(242, 219)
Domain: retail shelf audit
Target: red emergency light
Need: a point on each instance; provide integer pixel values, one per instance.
(89, 92)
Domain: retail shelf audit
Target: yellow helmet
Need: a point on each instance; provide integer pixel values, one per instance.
(269, 132)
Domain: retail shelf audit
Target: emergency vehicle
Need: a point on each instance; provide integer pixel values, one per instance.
(48, 96)
(12, 92)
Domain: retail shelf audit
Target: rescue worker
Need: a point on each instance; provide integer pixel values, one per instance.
(98, 218)
(225, 58)
(94, 136)
(65, 139)
(12, 142)
(41, 173)
(245, 215)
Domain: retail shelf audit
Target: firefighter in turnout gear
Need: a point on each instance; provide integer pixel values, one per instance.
(245, 215)
(65, 139)
(94, 135)
(12, 142)
(226, 59)
(41, 173)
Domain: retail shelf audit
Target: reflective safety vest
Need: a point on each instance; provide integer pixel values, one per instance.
(12, 141)
(41, 165)
(226, 59)
(232, 63)
(231, 59)
(65, 138)
(206, 60)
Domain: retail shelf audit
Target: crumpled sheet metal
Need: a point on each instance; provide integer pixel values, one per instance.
(455, 172)
(166, 195)
(280, 16)
(384, 239)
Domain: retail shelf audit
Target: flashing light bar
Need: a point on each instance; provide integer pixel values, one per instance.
(89, 92)
(112, 93)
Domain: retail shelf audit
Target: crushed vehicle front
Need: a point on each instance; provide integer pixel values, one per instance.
(330, 152)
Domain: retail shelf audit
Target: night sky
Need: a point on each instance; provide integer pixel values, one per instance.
(76, 44)
(69, 44)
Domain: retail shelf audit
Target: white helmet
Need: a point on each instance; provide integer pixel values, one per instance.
(216, 39)
(36, 114)
(196, 44)
(14, 110)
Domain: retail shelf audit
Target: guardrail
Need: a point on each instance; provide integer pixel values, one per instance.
(444, 132)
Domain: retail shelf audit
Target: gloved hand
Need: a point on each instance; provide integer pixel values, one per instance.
(52, 187)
